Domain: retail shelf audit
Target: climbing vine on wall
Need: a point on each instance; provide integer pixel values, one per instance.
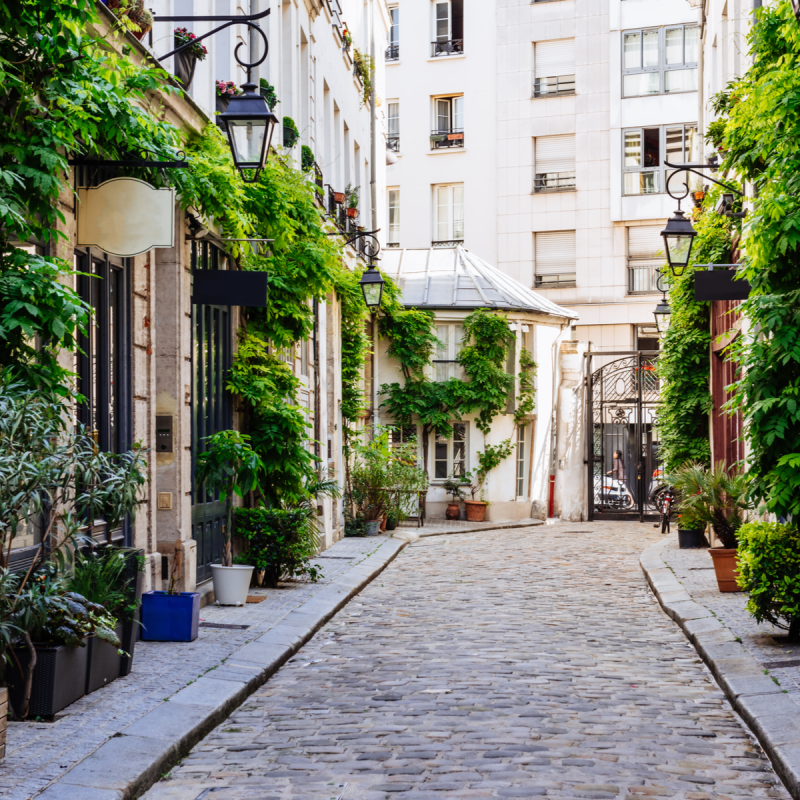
(683, 364)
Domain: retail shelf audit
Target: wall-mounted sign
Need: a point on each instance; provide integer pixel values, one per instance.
(229, 287)
(126, 217)
(719, 284)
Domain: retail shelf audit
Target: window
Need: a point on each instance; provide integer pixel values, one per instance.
(394, 218)
(448, 122)
(554, 158)
(521, 431)
(660, 60)
(448, 223)
(393, 50)
(554, 68)
(448, 28)
(393, 127)
(450, 455)
(400, 434)
(645, 256)
(642, 162)
(555, 259)
(445, 365)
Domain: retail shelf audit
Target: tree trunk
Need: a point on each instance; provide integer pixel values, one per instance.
(26, 698)
(794, 630)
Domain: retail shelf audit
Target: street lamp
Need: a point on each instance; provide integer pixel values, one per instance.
(250, 125)
(678, 238)
(662, 315)
(372, 287)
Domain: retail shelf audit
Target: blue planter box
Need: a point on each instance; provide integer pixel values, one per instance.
(170, 617)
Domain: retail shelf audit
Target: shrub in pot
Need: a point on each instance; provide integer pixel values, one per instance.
(456, 490)
(290, 132)
(715, 496)
(769, 571)
(230, 466)
(691, 531)
(351, 200)
(491, 456)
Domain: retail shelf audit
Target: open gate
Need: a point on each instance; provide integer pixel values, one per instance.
(624, 466)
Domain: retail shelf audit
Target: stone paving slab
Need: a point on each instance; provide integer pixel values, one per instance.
(735, 648)
(118, 740)
(522, 663)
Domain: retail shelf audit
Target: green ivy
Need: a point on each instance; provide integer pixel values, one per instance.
(526, 400)
(762, 144)
(683, 365)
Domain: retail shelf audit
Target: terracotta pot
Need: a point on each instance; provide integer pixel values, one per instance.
(338, 197)
(724, 559)
(383, 523)
(453, 511)
(352, 212)
(476, 510)
(3, 720)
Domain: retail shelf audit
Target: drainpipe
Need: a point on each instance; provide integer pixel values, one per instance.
(701, 82)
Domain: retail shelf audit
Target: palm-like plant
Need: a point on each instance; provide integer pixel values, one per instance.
(715, 496)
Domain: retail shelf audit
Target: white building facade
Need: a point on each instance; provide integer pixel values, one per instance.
(550, 123)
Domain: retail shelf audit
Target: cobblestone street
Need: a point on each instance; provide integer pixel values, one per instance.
(519, 663)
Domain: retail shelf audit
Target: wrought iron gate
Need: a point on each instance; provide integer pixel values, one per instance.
(624, 462)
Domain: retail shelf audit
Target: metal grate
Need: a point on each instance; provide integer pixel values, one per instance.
(448, 47)
(558, 84)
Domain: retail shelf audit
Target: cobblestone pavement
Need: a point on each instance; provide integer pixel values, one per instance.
(38, 753)
(765, 642)
(522, 663)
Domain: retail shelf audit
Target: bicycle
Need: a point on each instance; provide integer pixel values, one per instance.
(667, 500)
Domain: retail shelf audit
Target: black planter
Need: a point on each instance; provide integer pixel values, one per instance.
(691, 538)
(103, 663)
(185, 66)
(59, 678)
(131, 627)
(221, 108)
(290, 136)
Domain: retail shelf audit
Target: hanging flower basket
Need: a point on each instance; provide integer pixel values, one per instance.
(186, 60)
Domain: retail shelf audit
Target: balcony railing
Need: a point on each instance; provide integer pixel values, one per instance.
(449, 47)
(558, 84)
(554, 181)
(447, 138)
(642, 278)
(447, 243)
(393, 52)
(319, 182)
(561, 280)
(393, 244)
(393, 142)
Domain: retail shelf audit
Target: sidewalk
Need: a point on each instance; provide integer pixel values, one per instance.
(445, 526)
(754, 665)
(121, 738)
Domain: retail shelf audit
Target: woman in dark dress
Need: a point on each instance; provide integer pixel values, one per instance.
(618, 472)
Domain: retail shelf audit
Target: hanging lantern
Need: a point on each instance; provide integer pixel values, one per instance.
(678, 239)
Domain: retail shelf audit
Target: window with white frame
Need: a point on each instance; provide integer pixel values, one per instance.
(393, 239)
(448, 122)
(555, 259)
(554, 68)
(445, 363)
(660, 60)
(645, 257)
(393, 50)
(393, 126)
(521, 462)
(554, 160)
(448, 28)
(448, 222)
(401, 434)
(646, 149)
(450, 454)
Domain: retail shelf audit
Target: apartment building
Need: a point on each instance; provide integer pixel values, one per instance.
(550, 125)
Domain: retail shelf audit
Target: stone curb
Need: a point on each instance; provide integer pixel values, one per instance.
(770, 714)
(129, 763)
(500, 526)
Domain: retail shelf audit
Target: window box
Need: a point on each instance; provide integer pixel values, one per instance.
(103, 662)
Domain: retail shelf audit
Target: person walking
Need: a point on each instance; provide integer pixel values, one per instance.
(618, 472)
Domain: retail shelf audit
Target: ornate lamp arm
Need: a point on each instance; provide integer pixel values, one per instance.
(694, 168)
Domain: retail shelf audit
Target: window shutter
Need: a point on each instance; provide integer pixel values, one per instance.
(555, 153)
(552, 59)
(645, 243)
(555, 253)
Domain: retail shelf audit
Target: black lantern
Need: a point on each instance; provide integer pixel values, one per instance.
(372, 286)
(250, 125)
(662, 315)
(678, 238)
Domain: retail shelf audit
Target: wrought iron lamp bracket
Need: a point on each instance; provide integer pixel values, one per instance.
(693, 168)
(241, 19)
(371, 244)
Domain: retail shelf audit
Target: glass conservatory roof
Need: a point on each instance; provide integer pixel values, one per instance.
(452, 277)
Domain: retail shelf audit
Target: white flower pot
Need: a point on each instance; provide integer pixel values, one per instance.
(231, 584)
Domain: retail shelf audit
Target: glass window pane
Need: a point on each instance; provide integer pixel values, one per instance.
(459, 431)
(458, 114)
(459, 459)
(674, 139)
(442, 22)
(674, 48)
(692, 144)
(442, 334)
(632, 46)
(640, 83)
(691, 44)
(442, 213)
(394, 119)
(458, 212)
(394, 216)
(680, 80)
(394, 31)
(440, 457)
(443, 115)
(633, 149)
(652, 147)
(641, 182)
(650, 49)
(458, 335)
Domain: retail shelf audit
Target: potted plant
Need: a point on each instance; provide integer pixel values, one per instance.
(716, 497)
(691, 531)
(369, 479)
(230, 466)
(351, 196)
(223, 93)
(491, 457)
(267, 91)
(456, 489)
(769, 571)
(186, 60)
(290, 133)
(338, 198)
(347, 39)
